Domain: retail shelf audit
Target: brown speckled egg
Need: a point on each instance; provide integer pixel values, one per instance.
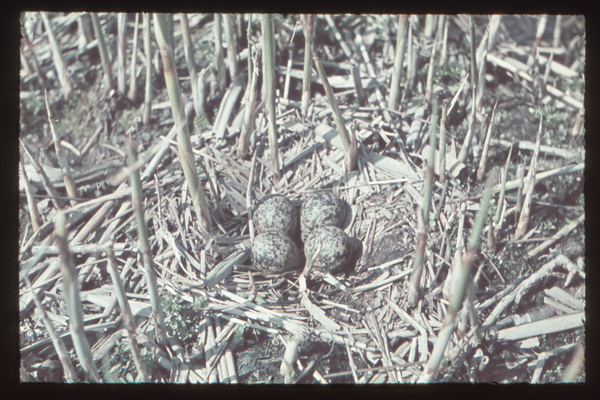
(275, 212)
(274, 252)
(336, 248)
(321, 209)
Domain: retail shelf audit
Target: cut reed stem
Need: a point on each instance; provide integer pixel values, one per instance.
(132, 77)
(74, 309)
(269, 61)
(104, 57)
(398, 61)
(148, 51)
(137, 201)
(57, 57)
(184, 144)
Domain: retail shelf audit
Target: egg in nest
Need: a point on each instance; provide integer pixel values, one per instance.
(321, 209)
(275, 212)
(336, 249)
(274, 252)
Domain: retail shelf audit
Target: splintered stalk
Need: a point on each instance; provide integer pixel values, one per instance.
(442, 166)
(249, 111)
(352, 155)
(84, 30)
(137, 200)
(57, 57)
(306, 77)
(429, 85)
(132, 85)
(108, 78)
(125, 310)
(473, 56)
(74, 309)
(464, 150)
(486, 146)
(481, 76)
(423, 219)
(398, 62)
(184, 144)
(289, 358)
(360, 91)
(458, 290)
(121, 51)
(231, 50)
(337, 115)
(34, 213)
(57, 342)
(504, 175)
(530, 186)
(218, 61)
(269, 61)
(444, 41)
(520, 175)
(62, 161)
(188, 50)
(148, 53)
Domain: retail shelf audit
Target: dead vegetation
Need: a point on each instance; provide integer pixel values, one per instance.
(522, 315)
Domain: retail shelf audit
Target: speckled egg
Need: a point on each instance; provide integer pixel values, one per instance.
(275, 212)
(274, 252)
(321, 209)
(336, 248)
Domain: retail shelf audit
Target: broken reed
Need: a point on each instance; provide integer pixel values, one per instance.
(184, 144)
(269, 61)
(57, 57)
(337, 115)
(121, 51)
(74, 309)
(132, 77)
(306, 77)
(218, 60)
(423, 214)
(62, 161)
(188, 50)
(529, 187)
(148, 51)
(137, 201)
(231, 48)
(249, 111)
(108, 78)
(460, 282)
(125, 310)
(398, 62)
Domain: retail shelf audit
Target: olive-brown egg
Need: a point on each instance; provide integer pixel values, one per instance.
(274, 252)
(336, 248)
(321, 209)
(275, 212)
